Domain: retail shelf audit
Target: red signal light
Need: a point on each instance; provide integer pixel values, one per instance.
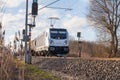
(34, 8)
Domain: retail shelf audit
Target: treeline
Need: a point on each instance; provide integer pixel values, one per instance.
(88, 49)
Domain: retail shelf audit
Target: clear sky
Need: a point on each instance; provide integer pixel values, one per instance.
(74, 20)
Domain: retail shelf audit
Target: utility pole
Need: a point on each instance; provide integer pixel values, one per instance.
(27, 55)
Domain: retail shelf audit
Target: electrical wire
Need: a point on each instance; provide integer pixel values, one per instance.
(49, 4)
(60, 8)
(70, 7)
(46, 6)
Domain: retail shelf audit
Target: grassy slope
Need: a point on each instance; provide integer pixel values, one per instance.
(34, 73)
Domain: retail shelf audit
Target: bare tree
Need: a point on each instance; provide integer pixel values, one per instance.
(2, 11)
(2, 8)
(105, 15)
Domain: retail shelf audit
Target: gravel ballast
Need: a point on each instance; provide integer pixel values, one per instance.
(81, 69)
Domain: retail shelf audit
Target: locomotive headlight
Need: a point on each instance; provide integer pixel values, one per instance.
(65, 49)
(65, 42)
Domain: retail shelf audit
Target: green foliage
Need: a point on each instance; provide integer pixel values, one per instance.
(34, 73)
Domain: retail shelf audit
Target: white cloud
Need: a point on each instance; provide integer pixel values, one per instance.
(11, 24)
(74, 23)
(87, 1)
(14, 3)
(10, 20)
(22, 11)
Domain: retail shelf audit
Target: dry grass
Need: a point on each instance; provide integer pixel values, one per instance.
(7, 66)
(88, 49)
(13, 69)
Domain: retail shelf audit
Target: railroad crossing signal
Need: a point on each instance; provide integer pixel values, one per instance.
(34, 8)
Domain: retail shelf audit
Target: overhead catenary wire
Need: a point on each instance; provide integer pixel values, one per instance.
(60, 8)
(67, 8)
(48, 4)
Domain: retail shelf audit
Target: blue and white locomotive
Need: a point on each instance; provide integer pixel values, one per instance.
(52, 42)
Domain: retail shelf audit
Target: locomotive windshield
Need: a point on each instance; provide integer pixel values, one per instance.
(58, 33)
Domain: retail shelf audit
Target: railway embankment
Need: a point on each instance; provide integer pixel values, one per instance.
(81, 69)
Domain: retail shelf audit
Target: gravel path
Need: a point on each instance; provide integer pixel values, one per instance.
(81, 69)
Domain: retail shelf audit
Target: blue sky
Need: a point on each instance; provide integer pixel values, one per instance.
(74, 20)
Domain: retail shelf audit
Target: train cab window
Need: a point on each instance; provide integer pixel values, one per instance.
(58, 34)
(62, 32)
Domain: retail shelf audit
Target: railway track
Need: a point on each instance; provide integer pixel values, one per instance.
(91, 58)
